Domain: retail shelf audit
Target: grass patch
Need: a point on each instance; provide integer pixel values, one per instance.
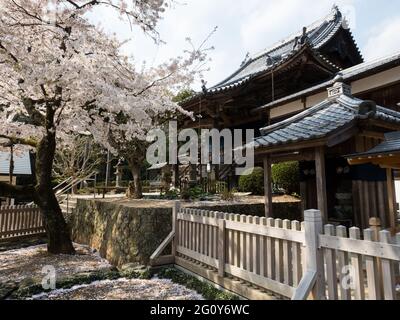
(208, 291)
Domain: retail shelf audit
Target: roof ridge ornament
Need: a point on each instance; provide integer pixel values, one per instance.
(367, 109)
(246, 59)
(339, 88)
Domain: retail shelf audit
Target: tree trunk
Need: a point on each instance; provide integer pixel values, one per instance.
(59, 241)
(135, 187)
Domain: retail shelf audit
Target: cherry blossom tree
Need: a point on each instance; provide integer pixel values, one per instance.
(62, 76)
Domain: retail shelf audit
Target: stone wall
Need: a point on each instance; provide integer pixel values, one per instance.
(129, 234)
(122, 234)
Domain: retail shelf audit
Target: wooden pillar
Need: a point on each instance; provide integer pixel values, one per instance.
(313, 227)
(391, 199)
(303, 196)
(268, 187)
(321, 182)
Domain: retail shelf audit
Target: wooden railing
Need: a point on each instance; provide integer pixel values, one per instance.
(20, 221)
(288, 258)
(360, 269)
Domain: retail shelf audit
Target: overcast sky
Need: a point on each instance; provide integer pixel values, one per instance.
(253, 25)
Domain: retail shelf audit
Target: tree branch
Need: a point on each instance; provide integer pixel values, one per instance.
(23, 141)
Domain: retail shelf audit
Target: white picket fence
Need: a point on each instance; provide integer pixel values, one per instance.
(20, 221)
(288, 258)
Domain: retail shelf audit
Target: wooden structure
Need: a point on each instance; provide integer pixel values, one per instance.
(285, 86)
(292, 259)
(387, 156)
(319, 137)
(19, 222)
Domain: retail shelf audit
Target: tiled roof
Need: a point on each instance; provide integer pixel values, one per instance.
(321, 120)
(390, 145)
(318, 34)
(347, 75)
(22, 164)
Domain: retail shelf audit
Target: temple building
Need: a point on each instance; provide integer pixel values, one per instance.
(311, 98)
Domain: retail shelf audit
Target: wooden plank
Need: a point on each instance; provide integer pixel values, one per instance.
(330, 261)
(193, 231)
(234, 286)
(305, 286)
(255, 249)
(215, 235)
(389, 282)
(231, 243)
(274, 232)
(249, 255)
(260, 281)
(287, 257)
(381, 202)
(343, 262)
(210, 236)
(391, 199)
(162, 246)
(268, 187)
(296, 257)
(175, 210)
(357, 264)
(263, 246)
(321, 182)
(270, 251)
(162, 261)
(375, 249)
(242, 242)
(314, 255)
(356, 202)
(212, 262)
(278, 254)
(221, 248)
(367, 208)
(236, 247)
(371, 267)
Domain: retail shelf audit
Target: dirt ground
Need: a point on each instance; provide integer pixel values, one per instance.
(239, 198)
(123, 289)
(24, 266)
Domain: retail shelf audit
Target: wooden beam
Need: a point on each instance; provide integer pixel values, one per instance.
(391, 198)
(321, 182)
(268, 187)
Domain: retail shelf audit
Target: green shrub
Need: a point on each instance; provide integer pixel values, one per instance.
(253, 182)
(286, 176)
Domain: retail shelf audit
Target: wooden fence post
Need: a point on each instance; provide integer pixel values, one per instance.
(221, 247)
(175, 210)
(314, 255)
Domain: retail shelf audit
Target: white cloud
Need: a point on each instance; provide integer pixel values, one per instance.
(383, 40)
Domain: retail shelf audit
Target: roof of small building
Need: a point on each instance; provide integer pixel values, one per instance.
(22, 164)
(322, 120)
(390, 145)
